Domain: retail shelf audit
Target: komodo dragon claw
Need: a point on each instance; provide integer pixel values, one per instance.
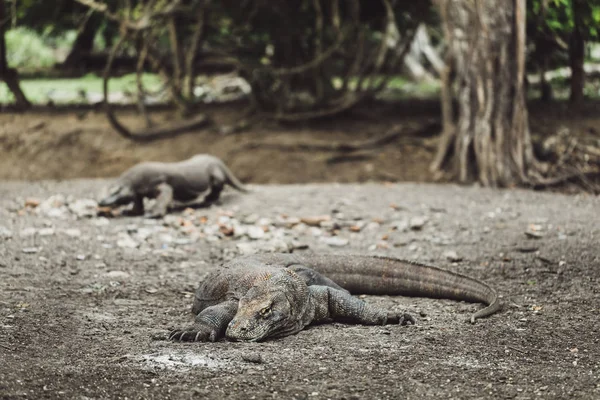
(194, 335)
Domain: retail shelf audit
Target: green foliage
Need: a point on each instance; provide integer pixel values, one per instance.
(559, 17)
(26, 49)
(39, 91)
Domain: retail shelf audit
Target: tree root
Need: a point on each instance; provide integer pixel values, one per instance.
(573, 176)
(394, 134)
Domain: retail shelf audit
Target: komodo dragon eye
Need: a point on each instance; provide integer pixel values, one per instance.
(266, 311)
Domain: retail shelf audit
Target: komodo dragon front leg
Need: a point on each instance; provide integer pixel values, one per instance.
(210, 324)
(341, 306)
(163, 199)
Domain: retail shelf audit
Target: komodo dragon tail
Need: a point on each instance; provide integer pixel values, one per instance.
(232, 180)
(391, 276)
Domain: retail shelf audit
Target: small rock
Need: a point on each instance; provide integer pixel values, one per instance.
(73, 232)
(264, 222)
(54, 207)
(372, 226)
(250, 219)
(151, 290)
(403, 241)
(329, 225)
(314, 231)
(84, 208)
(80, 257)
(101, 221)
(143, 233)
(117, 275)
(315, 220)
(246, 248)
(27, 232)
(165, 238)
(31, 250)
(124, 240)
(32, 203)
(276, 246)
(297, 245)
(452, 256)
(223, 219)
(255, 358)
(527, 249)
(255, 232)
(417, 223)
(401, 225)
(46, 232)
(534, 234)
(289, 222)
(226, 230)
(5, 233)
(358, 226)
(334, 241)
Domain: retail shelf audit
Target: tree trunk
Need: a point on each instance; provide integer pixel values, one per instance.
(577, 54)
(84, 43)
(488, 137)
(9, 75)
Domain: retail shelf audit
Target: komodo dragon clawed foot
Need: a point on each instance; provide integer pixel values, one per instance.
(195, 334)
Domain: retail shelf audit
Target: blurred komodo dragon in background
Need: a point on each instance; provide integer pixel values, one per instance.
(264, 296)
(182, 181)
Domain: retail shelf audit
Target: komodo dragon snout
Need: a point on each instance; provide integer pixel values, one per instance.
(118, 196)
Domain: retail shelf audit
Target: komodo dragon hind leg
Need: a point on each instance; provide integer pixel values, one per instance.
(341, 306)
(210, 325)
(163, 200)
(217, 183)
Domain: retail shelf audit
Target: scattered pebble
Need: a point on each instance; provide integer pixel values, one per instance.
(126, 241)
(46, 232)
(31, 250)
(255, 358)
(27, 232)
(73, 232)
(84, 208)
(255, 232)
(315, 220)
(117, 274)
(417, 223)
(334, 241)
(451, 255)
(534, 234)
(5, 233)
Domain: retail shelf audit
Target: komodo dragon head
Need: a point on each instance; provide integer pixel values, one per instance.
(119, 195)
(277, 305)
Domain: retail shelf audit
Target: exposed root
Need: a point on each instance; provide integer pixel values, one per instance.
(394, 134)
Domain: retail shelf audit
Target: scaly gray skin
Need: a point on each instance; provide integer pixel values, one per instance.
(264, 296)
(182, 181)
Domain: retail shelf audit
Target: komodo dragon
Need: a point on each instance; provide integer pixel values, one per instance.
(256, 297)
(182, 181)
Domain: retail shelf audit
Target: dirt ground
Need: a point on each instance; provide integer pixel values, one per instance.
(82, 316)
(67, 144)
